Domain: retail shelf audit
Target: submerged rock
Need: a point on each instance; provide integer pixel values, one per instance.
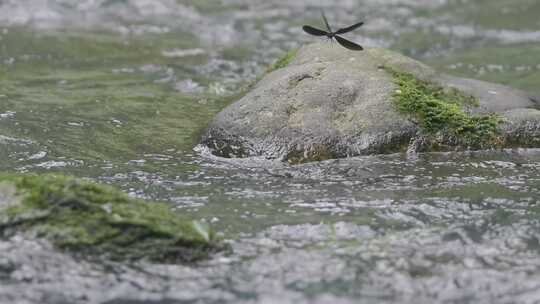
(95, 220)
(325, 102)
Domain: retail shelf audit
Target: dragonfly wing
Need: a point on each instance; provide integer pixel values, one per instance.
(350, 28)
(348, 44)
(314, 31)
(326, 22)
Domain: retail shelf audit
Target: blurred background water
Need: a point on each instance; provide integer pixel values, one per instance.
(119, 91)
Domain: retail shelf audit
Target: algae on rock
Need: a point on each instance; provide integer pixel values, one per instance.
(283, 61)
(90, 219)
(441, 112)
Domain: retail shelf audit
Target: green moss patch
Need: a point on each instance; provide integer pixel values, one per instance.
(91, 219)
(443, 113)
(284, 61)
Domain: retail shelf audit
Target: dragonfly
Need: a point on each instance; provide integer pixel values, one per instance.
(331, 34)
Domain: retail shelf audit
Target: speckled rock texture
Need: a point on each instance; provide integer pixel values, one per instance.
(330, 102)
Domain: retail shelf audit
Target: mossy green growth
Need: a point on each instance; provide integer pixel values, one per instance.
(444, 113)
(96, 220)
(284, 61)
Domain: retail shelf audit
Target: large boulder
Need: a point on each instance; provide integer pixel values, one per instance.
(92, 220)
(324, 102)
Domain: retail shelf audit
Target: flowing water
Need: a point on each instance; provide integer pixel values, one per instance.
(119, 91)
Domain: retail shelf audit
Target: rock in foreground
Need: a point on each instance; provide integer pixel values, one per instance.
(327, 102)
(90, 219)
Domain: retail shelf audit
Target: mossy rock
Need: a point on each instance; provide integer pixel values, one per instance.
(93, 220)
(324, 101)
(445, 115)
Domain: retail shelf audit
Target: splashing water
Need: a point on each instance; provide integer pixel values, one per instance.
(119, 91)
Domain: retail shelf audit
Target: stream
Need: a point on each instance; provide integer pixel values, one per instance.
(119, 92)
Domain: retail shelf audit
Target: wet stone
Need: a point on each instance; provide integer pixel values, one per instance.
(92, 220)
(324, 102)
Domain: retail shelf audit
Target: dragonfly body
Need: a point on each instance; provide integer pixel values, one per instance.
(335, 35)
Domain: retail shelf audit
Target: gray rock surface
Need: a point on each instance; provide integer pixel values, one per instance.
(333, 103)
